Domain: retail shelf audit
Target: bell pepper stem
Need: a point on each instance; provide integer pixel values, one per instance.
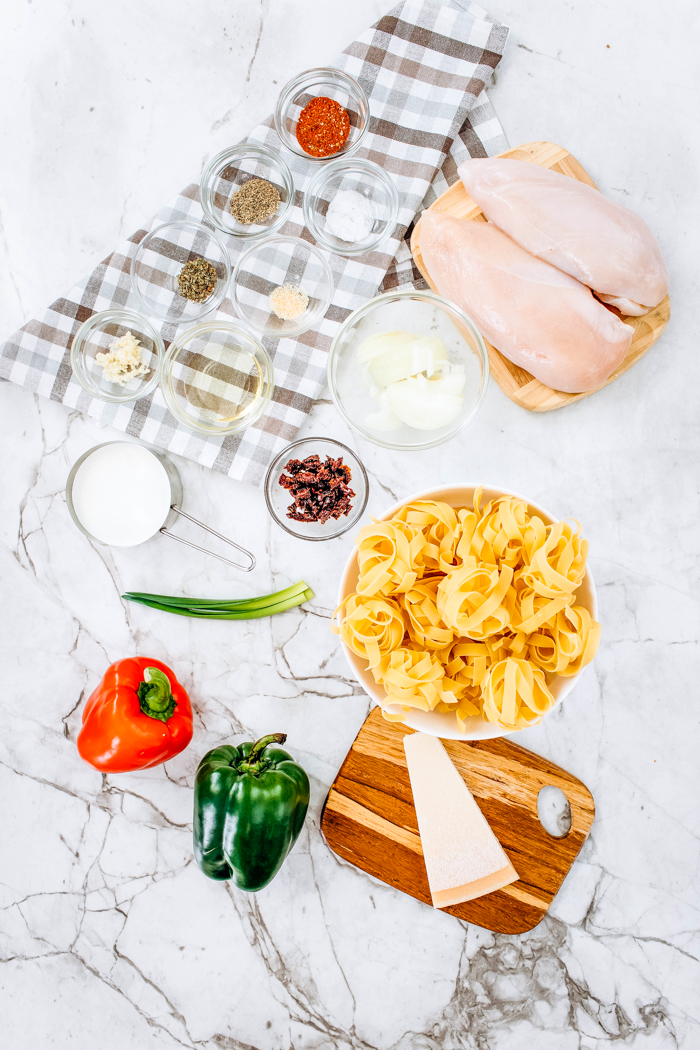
(255, 756)
(155, 696)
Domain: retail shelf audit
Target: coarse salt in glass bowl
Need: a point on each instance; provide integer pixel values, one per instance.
(279, 499)
(230, 170)
(159, 259)
(95, 336)
(356, 176)
(322, 82)
(274, 263)
(217, 378)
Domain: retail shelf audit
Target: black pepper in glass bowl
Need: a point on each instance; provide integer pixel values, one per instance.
(316, 489)
(225, 197)
(254, 201)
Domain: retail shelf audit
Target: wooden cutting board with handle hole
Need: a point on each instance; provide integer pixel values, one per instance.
(369, 820)
(519, 385)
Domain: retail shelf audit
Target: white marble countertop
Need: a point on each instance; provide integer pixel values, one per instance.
(112, 937)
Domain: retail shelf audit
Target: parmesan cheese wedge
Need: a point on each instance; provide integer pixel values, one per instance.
(463, 857)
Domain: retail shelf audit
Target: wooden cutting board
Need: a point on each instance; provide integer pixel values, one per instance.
(369, 820)
(519, 385)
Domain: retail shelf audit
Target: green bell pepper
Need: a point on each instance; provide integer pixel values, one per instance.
(250, 803)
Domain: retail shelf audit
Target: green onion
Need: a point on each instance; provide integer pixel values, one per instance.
(236, 609)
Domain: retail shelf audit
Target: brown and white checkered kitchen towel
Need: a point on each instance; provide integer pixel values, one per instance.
(424, 67)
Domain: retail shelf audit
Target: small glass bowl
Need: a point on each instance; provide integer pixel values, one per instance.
(158, 261)
(421, 313)
(330, 83)
(362, 176)
(281, 260)
(225, 175)
(279, 499)
(94, 336)
(217, 378)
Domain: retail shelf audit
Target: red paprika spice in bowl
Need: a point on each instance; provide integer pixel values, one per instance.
(322, 113)
(323, 127)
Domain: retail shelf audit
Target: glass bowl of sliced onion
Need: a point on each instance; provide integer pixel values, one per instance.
(408, 370)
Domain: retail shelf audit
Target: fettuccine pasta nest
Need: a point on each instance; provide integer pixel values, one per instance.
(469, 611)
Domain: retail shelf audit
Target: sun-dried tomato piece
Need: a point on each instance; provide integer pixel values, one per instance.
(320, 490)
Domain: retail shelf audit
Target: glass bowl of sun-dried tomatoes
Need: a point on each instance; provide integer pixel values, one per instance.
(322, 113)
(316, 489)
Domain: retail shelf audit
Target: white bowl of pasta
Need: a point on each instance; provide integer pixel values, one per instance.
(468, 620)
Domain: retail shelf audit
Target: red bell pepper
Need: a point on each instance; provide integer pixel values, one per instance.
(139, 716)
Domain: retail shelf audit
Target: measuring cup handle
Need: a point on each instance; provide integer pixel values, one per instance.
(195, 546)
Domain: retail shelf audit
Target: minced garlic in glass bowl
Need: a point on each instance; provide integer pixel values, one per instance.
(123, 362)
(116, 355)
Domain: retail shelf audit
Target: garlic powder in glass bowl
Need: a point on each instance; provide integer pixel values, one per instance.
(288, 302)
(281, 262)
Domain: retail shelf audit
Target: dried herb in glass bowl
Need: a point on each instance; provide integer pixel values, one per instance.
(197, 280)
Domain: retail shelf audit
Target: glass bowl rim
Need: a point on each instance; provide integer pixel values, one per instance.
(283, 455)
(319, 181)
(368, 307)
(211, 304)
(104, 317)
(284, 98)
(243, 149)
(236, 326)
(278, 238)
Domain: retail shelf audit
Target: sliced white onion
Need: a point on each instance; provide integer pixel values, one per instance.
(374, 392)
(392, 356)
(384, 419)
(452, 382)
(425, 404)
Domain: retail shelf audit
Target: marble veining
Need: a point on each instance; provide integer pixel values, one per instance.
(109, 934)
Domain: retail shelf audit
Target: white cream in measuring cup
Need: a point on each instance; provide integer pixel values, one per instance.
(122, 494)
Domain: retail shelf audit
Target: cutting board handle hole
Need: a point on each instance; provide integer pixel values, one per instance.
(554, 811)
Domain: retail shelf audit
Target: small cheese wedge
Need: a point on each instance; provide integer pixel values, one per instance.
(463, 857)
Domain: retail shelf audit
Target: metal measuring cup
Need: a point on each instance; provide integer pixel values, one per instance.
(174, 511)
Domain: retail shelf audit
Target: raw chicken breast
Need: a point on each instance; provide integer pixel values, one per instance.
(538, 317)
(573, 227)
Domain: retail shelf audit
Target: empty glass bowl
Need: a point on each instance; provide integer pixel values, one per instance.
(95, 336)
(274, 263)
(217, 378)
(361, 404)
(329, 83)
(160, 258)
(230, 170)
(279, 499)
(358, 176)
